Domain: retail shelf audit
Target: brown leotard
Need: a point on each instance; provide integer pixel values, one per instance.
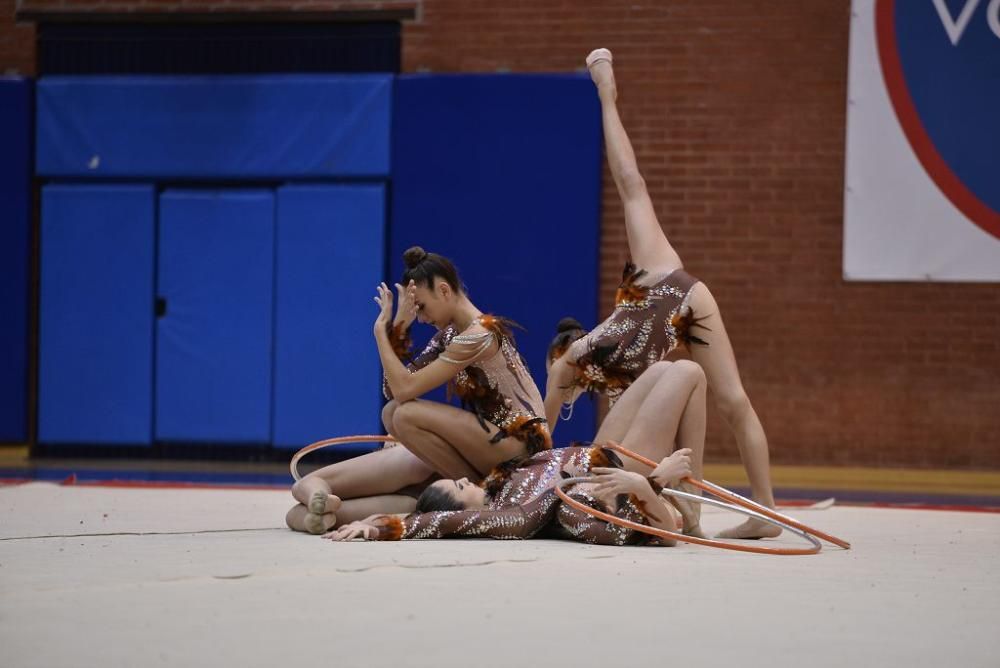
(650, 319)
(496, 387)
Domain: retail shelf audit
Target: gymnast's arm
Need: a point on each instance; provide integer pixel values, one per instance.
(405, 384)
(516, 522)
(558, 390)
(637, 502)
(643, 493)
(559, 385)
(399, 341)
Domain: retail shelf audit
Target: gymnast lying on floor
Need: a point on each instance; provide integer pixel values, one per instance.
(663, 410)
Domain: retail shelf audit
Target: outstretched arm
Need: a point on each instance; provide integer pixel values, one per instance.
(647, 243)
(515, 522)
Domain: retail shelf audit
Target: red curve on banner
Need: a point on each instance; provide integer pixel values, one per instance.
(892, 70)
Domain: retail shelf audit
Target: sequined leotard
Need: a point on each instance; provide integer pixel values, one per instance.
(523, 502)
(496, 387)
(649, 321)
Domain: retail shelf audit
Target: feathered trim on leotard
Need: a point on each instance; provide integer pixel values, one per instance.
(533, 432)
(389, 527)
(683, 321)
(400, 341)
(628, 292)
(592, 372)
(502, 327)
(604, 458)
(473, 388)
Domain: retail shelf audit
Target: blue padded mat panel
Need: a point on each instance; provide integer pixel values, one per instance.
(330, 257)
(214, 126)
(96, 315)
(214, 343)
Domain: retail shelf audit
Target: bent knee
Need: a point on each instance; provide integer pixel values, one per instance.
(405, 416)
(387, 414)
(691, 370)
(659, 368)
(734, 404)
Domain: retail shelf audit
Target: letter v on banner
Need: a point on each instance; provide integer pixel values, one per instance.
(955, 28)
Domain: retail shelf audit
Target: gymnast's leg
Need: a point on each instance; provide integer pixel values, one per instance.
(672, 416)
(451, 440)
(648, 245)
(719, 363)
(377, 473)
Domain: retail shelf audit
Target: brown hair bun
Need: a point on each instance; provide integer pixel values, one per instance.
(423, 267)
(413, 256)
(568, 325)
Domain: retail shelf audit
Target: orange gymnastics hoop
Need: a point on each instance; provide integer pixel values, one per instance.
(736, 499)
(672, 535)
(738, 504)
(341, 440)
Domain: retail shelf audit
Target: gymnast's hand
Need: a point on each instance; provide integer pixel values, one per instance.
(362, 529)
(384, 300)
(618, 481)
(673, 468)
(406, 312)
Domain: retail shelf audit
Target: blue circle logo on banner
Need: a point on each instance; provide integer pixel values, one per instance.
(941, 64)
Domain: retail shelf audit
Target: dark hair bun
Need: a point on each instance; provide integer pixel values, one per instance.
(568, 325)
(413, 256)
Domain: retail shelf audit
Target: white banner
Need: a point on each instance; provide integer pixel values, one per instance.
(923, 141)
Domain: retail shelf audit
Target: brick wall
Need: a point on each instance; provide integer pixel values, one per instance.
(17, 43)
(737, 112)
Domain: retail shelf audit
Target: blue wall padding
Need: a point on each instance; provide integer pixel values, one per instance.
(215, 127)
(96, 306)
(502, 173)
(331, 255)
(15, 233)
(214, 343)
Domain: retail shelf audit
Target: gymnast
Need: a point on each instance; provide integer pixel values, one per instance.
(658, 306)
(474, 354)
(663, 410)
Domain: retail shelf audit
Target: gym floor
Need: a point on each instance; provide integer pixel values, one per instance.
(142, 573)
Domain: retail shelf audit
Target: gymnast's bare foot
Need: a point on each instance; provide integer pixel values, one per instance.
(599, 64)
(695, 531)
(321, 502)
(314, 493)
(300, 519)
(751, 530)
(318, 524)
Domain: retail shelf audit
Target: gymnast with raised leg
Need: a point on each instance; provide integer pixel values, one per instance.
(474, 354)
(658, 306)
(661, 416)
